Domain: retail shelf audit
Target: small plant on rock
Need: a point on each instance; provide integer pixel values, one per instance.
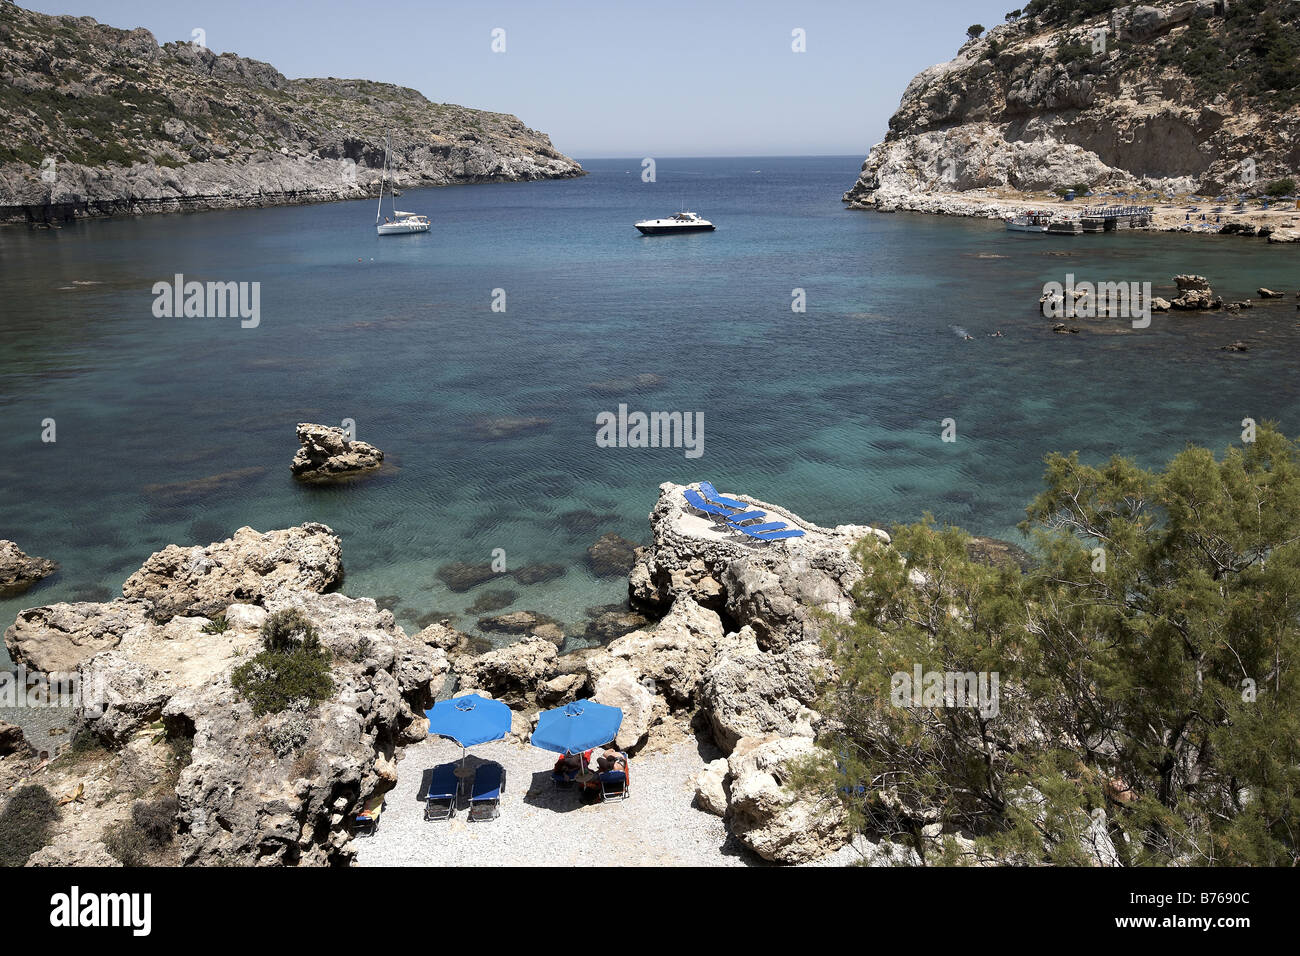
(292, 666)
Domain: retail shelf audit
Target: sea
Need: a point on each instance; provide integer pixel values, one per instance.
(827, 352)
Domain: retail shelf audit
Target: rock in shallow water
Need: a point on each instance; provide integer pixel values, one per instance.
(18, 571)
(611, 556)
(326, 455)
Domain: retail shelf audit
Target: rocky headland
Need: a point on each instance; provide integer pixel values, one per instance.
(104, 121)
(1179, 99)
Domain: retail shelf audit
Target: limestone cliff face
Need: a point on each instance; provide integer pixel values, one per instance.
(102, 121)
(1196, 96)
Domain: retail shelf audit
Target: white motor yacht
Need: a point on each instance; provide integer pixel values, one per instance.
(681, 222)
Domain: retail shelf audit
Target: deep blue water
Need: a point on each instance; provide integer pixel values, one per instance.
(835, 412)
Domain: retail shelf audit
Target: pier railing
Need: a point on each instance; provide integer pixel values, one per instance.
(1115, 212)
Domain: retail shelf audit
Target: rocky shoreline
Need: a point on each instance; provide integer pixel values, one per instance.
(729, 651)
(1275, 225)
(106, 122)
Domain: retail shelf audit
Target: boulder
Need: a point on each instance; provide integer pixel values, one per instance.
(621, 688)
(710, 788)
(250, 567)
(524, 622)
(1263, 294)
(672, 655)
(514, 674)
(749, 692)
(326, 455)
(1195, 294)
(18, 571)
(57, 638)
(774, 821)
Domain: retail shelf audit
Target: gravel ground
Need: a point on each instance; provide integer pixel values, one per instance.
(540, 826)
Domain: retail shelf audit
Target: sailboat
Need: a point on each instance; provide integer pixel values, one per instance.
(400, 223)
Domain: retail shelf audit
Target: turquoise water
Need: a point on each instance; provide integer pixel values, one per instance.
(835, 412)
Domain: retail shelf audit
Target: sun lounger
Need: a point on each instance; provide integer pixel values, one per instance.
(696, 500)
(440, 801)
(712, 494)
(367, 820)
(746, 516)
(768, 526)
(772, 534)
(485, 794)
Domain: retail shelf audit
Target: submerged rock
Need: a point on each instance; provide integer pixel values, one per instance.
(524, 622)
(509, 426)
(537, 573)
(326, 455)
(461, 576)
(492, 600)
(18, 571)
(996, 553)
(612, 621)
(611, 555)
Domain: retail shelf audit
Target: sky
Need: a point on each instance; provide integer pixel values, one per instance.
(605, 77)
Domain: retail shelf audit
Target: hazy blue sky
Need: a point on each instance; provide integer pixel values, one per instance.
(611, 78)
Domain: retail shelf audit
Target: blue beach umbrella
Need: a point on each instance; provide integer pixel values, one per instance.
(577, 727)
(469, 720)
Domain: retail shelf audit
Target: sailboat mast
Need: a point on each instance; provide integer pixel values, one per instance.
(379, 210)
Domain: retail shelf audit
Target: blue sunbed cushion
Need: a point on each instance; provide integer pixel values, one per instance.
(487, 783)
(746, 516)
(442, 785)
(754, 528)
(778, 535)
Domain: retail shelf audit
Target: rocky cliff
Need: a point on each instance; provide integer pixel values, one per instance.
(1198, 96)
(103, 121)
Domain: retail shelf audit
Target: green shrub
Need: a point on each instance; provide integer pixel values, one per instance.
(292, 667)
(1281, 187)
(974, 30)
(25, 824)
(289, 630)
(218, 625)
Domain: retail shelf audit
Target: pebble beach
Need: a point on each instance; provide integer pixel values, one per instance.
(658, 825)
